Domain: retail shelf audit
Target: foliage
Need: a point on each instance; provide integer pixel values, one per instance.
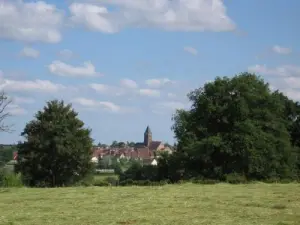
(6, 153)
(101, 145)
(57, 148)
(105, 162)
(101, 183)
(9, 179)
(235, 178)
(130, 182)
(237, 125)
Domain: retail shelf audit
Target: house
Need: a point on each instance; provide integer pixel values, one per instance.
(146, 151)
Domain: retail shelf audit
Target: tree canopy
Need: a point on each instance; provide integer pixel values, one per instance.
(57, 148)
(238, 125)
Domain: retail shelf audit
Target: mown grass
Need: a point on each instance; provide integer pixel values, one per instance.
(220, 204)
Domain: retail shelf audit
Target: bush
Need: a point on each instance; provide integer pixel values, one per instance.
(10, 180)
(164, 182)
(112, 180)
(235, 178)
(204, 181)
(86, 181)
(130, 182)
(127, 182)
(101, 183)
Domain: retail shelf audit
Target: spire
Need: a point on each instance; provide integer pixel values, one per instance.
(147, 131)
(147, 137)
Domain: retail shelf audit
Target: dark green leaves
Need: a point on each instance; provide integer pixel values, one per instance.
(57, 150)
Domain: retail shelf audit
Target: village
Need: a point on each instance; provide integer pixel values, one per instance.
(147, 152)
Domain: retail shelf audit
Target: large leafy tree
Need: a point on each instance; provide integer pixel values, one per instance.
(57, 148)
(237, 125)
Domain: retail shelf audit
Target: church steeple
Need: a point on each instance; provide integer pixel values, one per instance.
(147, 137)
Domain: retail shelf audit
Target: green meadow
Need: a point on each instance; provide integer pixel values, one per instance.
(219, 204)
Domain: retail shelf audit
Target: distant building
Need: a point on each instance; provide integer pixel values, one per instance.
(149, 143)
(146, 151)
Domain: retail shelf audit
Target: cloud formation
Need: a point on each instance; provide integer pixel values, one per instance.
(128, 83)
(30, 53)
(167, 107)
(45, 86)
(190, 50)
(149, 92)
(175, 15)
(91, 104)
(15, 110)
(66, 54)
(22, 100)
(158, 82)
(286, 78)
(62, 69)
(30, 21)
(281, 50)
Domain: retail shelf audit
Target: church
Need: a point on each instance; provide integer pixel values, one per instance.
(149, 143)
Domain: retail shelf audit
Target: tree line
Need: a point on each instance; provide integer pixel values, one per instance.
(236, 128)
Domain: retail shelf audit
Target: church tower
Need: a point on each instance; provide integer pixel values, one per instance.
(147, 137)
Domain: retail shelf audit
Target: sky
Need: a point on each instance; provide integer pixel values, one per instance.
(126, 64)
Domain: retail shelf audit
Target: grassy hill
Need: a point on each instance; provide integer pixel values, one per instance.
(220, 204)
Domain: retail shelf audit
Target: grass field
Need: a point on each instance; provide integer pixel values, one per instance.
(276, 204)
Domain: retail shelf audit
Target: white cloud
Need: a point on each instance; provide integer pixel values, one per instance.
(167, 107)
(92, 16)
(30, 53)
(158, 83)
(176, 15)
(104, 105)
(99, 104)
(286, 78)
(22, 100)
(284, 70)
(127, 83)
(172, 105)
(30, 21)
(63, 69)
(15, 110)
(171, 95)
(107, 89)
(281, 50)
(30, 86)
(149, 92)
(66, 54)
(191, 50)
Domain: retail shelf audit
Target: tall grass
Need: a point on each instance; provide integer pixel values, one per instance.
(10, 179)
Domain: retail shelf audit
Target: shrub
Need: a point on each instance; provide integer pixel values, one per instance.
(10, 180)
(204, 181)
(127, 182)
(112, 180)
(235, 178)
(86, 181)
(164, 182)
(101, 183)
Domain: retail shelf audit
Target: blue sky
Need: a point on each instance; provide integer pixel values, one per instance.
(126, 64)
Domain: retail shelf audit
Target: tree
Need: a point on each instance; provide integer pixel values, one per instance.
(6, 154)
(57, 148)
(114, 144)
(101, 145)
(130, 144)
(237, 125)
(4, 104)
